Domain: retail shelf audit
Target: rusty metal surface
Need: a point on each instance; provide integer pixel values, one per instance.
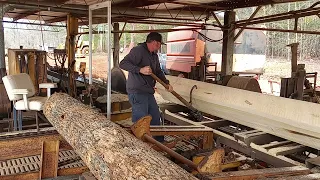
(127, 9)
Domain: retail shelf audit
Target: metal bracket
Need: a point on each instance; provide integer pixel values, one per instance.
(195, 86)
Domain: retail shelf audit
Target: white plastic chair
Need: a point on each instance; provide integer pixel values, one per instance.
(21, 92)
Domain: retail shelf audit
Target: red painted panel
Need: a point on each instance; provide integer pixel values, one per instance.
(182, 48)
(181, 35)
(180, 63)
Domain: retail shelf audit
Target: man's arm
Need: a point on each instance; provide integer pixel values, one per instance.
(130, 61)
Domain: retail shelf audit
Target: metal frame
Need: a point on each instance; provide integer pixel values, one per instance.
(256, 144)
(106, 4)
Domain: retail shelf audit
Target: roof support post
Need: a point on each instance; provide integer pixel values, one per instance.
(228, 43)
(72, 31)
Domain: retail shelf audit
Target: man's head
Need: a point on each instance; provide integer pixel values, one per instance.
(154, 41)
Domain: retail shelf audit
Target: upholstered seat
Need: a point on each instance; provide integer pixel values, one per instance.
(21, 91)
(34, 103)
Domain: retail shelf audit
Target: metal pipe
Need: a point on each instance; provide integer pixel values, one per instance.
(54, 9)
(109, 62)
(280, 30)
(36, 24)
(2, 45)
(147, 31)
(171, 152)
(90, 46)
(46, 4)
(279, 17)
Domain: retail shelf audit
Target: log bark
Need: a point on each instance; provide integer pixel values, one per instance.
(298, 121)
(109, 151)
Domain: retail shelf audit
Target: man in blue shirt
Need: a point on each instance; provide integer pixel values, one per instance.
(141, 61)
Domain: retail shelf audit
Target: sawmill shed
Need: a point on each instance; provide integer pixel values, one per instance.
(60, 122)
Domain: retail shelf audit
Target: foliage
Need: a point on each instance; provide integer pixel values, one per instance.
(277, 42)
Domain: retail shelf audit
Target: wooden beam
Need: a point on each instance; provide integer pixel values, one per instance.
(116, 44)
(72, 31)
(290, 119)
(228, 43)
(20, 147)
(108, 150)
(36, 175)
(25, 14)
(57, 19)
(72, 171)
(49, 159)
(294, 58)
(301, 177)
(260, 173)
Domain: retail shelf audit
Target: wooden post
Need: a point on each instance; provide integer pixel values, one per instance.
(49, 159)
(72, 31)
(228, 43)
(294, 58)
(301, 77)
(116, 39)
(109, 151)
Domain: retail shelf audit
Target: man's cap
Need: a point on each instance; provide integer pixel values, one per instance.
(155, 36)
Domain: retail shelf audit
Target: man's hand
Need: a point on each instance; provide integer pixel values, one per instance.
(170, 88)
(146, 70)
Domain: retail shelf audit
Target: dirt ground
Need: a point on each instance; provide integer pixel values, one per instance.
(275, 69)
(99, 65)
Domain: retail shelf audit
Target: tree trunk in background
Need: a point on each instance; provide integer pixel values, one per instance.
(132, 34)
(288, 35)
(109, 151)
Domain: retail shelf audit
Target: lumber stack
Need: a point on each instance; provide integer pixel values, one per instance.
(109, 151)
(298, 121)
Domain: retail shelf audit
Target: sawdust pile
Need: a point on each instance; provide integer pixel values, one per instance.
(114, 98)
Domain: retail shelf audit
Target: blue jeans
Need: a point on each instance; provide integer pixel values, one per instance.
(143, 105)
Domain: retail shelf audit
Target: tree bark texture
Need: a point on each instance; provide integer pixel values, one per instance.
(109, 151)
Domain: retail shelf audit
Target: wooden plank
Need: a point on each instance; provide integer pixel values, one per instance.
(21, 147)
(13, 64)
(259, 173)
(35, 174)
(274, 115)
(120, 116)
(49, 159)
(72, 171)
(88, 176)
(32, 69)
(108, 150)
(302, 177)
(24, 176)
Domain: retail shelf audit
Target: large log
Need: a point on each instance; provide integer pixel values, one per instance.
(109, 151)
(298, 121)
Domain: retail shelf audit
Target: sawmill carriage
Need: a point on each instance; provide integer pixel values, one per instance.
(222, 132)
